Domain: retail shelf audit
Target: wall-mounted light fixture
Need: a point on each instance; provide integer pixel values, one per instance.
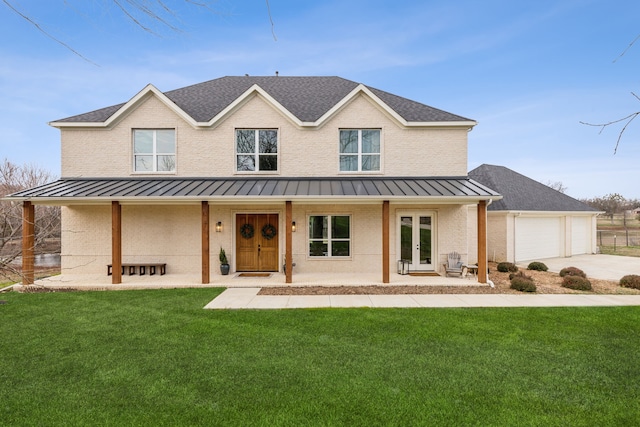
(218, 226)
(293, 226)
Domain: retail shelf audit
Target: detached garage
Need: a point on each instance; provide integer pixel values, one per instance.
(533, 221)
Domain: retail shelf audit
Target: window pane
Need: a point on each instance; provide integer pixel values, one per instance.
(348, 163)
(166, 163)
(318, 227)
(340, 248)
(348, 141)
(425, 240)
(268, 141)
(143, 141)
(318, 249)
(371, 141)
(339, 227)
(245, 141)
(165, 141)
(371, 163)
(246, 163)
(144, 163)
(268, 163)
(406, 238)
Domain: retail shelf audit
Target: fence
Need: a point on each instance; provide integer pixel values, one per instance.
(619, 238)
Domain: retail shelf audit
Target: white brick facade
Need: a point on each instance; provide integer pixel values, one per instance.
(171, 233)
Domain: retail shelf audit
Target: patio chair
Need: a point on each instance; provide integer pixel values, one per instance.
(454, 266)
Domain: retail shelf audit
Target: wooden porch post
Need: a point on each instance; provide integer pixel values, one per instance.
(385, 241)
(28, 242)
(288, 256)
(205, 243)
(482, 241)
(116, 243)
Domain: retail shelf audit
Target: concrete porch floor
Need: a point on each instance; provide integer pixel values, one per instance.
(234, 280)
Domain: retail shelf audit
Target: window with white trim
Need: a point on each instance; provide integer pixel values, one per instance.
(256, 150)
(359, 150)
(329, 236)
(154, 150)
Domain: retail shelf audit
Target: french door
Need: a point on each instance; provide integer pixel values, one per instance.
(257, 242)
(417, 239)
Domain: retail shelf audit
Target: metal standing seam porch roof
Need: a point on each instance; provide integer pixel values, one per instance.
(257, 189)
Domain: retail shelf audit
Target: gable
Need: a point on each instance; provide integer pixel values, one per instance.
(307, 101)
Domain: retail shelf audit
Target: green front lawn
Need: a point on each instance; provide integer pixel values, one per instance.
(157, 358)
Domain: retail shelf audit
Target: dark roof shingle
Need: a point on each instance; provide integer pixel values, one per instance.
(307, 98)
(520, 193)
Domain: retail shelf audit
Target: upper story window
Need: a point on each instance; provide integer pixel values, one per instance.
(256, 150)
(154, 150)
(359, 150)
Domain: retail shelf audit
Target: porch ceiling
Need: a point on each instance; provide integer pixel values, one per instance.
(258, 190)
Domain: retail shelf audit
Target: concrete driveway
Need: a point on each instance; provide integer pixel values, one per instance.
(607, 267)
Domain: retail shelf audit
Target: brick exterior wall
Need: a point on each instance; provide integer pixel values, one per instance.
(171, 233)
(302, 152)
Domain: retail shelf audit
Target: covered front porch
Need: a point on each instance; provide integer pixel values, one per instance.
(379, 206)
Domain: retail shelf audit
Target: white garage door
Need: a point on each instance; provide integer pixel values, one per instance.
(579, 235)
(538, 238)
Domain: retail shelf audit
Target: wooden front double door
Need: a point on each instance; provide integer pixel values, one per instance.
(257, 238)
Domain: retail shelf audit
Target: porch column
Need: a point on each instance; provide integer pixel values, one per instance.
(205, 243)
(385, 241)
(482, 241)
(116, 243)
(288, 256)
(28, 242)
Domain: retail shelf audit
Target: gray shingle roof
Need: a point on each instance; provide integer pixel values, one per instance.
(143, 189)
(307, 98)
(524, 194)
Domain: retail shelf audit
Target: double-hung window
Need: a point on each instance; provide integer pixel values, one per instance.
(329, 236)
(359, 150)
(154, 150)
(256, 150)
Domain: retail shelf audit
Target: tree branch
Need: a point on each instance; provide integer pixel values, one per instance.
(43, 31)
(628, 47)
(631, 117)
(271, 20)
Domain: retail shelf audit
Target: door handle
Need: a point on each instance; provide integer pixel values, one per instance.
(258, 248)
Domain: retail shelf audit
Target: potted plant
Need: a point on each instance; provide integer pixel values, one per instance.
(224, 263)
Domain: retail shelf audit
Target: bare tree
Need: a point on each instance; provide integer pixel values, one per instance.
(14, 178)
(151, 16)
(625, 121)
(611, 204)
(557, 185)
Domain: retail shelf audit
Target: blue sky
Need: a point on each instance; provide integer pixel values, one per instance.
(528, 72)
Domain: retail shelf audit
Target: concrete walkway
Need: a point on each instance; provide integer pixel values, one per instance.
(248, 298)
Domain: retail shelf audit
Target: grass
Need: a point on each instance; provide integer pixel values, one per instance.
(621, 250)
(157, 358)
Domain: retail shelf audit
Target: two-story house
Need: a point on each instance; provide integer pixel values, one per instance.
(321, 172)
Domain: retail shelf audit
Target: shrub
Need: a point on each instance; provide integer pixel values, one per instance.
(630, 281)
(538, 266)
(521, 282)
(572, 271)
(505, 267)
(577, 283)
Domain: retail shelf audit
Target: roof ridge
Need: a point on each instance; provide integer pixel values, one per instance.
(308, 98)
